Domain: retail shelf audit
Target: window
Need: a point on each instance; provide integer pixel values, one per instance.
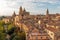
(51, 34)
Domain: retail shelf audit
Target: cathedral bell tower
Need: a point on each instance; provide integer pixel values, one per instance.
(14, 14)
(20, 10)
(48, 15)
(47, 12)
(24, 10)
(13, 17)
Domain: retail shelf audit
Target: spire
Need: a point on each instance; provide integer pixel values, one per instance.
(20, 10)
(47, 12)
(14, 14)
(24, 10)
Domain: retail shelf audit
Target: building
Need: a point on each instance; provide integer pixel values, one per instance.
(38, 27)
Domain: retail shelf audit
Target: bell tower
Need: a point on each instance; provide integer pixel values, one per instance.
(20, 10)
(47, 12)
(14, 14)
(24, 10)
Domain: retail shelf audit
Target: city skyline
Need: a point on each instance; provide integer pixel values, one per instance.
(7, 7)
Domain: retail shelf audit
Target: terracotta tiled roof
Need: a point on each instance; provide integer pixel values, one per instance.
(52, 29)
(54, 24)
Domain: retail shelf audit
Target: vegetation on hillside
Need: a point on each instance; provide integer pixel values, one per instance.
(11, 32)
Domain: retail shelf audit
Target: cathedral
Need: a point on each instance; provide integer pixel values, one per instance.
(38, 27)
(34, 30)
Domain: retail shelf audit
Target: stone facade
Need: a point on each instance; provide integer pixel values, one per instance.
(38, 27)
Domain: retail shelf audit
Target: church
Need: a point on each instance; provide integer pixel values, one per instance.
(37, 27)
(29, 23)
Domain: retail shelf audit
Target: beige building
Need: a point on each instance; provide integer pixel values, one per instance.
(37, 27)
(6, 20)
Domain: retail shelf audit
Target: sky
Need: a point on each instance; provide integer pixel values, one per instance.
(7, 7)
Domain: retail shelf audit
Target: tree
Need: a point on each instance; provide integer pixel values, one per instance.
(20, 36)
(1, 25)
(16, 36)
(2, 36)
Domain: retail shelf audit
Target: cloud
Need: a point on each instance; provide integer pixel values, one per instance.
(48, 1)
(8, 6)
(58, 7)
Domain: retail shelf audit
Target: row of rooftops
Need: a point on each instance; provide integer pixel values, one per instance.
(40, 17)
(32, 23)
